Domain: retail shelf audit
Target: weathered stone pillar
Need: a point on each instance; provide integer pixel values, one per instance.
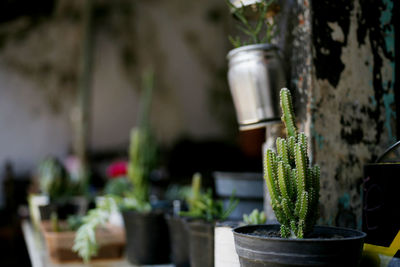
(343, 69)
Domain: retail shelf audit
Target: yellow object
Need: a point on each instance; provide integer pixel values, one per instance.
(376, 253)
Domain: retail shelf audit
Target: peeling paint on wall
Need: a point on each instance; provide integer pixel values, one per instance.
(353, 115)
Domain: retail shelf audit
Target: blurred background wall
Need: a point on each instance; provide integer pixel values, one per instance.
(40, 48)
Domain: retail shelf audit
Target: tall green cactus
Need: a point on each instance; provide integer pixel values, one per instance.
(142, 149)
(292, 182)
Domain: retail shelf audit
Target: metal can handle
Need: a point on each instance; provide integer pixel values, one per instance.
(387, 151)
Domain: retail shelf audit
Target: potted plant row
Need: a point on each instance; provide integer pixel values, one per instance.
(293, 184)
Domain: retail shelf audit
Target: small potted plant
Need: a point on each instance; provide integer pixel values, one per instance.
(60, 236)
(60, 192)
(145, 226)
(203, 213)
(256, 71)
(293, 184)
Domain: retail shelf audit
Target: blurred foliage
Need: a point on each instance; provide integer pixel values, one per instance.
(118, 187)
(202, 205)
(263, 30)
(85, 243)
(255, 217)
(56, 182)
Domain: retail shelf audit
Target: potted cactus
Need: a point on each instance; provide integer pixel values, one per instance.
(255, 67)
(293, 184)
(147, 240)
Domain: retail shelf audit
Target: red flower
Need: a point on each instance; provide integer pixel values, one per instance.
(117, 169)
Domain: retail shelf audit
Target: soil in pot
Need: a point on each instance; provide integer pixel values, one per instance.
(179, 241)
(201, 249)
(261, 245)
(147, 238)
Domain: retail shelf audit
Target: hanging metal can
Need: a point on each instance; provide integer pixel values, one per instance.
(255, 77)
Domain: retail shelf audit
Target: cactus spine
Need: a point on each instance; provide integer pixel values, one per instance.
(293, 184)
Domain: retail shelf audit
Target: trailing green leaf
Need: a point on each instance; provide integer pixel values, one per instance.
(85, 243)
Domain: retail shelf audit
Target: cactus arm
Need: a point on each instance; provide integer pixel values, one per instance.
(285, 231)
(281, 179)
(282, 150)
(286, 210)
(301, 229)
(301, 176)
(301, 170)
(289, 184)
(270, 175)
(303, 206)
(293, 226)
(294, 183)
(288, 114)
(291, 141)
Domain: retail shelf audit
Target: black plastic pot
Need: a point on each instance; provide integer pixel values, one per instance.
(179, 241)
(201, 249)
(147, 238)
(62, 210)
(329, 246)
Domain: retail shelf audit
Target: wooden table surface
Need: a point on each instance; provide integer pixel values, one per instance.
(39, 256)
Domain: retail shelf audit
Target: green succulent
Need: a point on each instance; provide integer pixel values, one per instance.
(255, 217)
(202, 205)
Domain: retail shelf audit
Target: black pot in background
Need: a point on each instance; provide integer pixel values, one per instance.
(147, 238)
(62, 210)
(201, 249)
(179, 240)
(342, 248)
(65, 208)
